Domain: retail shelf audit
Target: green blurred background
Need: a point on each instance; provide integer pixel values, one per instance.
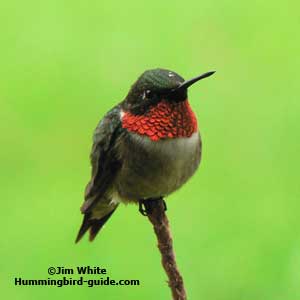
(236, 224)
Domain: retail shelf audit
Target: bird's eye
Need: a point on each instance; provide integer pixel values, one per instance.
(148, 93)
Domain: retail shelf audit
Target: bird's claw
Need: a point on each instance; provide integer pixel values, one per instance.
(165, 205)
(142, 208)
(145, 209)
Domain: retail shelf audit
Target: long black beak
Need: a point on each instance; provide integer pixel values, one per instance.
(188, 83)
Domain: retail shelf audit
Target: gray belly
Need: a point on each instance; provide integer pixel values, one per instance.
(153, 169)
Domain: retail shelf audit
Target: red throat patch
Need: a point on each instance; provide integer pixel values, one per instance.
(165, 120)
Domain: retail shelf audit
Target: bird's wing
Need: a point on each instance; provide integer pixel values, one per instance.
(104, 161)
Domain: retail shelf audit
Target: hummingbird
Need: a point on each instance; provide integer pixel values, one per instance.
(144, 148)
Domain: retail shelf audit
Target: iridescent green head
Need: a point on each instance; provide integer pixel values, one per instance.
(155, 85)
(158, 80)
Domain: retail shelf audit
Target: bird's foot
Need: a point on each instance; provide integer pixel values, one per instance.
(146, 204)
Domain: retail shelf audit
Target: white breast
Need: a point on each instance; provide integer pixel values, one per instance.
(177, 148)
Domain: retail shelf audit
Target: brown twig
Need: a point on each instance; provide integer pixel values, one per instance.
(156, 214)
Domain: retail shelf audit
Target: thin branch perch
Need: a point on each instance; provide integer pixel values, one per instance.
(156, 214)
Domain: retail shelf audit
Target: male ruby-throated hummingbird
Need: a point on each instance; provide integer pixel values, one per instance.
(145, 148)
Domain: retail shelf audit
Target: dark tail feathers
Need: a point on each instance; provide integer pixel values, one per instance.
(94, 225)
